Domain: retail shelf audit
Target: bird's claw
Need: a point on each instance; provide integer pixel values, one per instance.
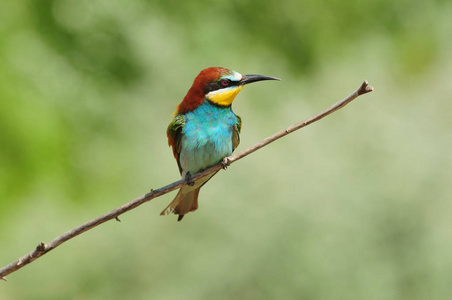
(188, 179)
(225, 163)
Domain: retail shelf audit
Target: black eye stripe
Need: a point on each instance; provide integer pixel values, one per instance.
(213, 86)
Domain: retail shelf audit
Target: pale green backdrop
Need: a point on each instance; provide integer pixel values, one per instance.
(356, 206)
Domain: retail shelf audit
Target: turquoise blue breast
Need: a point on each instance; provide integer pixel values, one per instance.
(206, 137)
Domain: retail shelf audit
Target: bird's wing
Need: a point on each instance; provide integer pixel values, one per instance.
(236, 133)
(174, 133)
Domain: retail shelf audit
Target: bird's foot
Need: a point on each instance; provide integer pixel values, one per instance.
(188, 179)
(225, 163)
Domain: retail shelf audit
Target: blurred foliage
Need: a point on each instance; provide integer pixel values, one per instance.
(304, 32)
(356, 206)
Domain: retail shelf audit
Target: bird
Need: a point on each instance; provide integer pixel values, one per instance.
(205, 130)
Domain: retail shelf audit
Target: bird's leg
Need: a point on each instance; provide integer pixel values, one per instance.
(225, 163)
(188, 179)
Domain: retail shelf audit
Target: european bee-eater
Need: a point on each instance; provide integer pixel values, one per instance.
(205, 130)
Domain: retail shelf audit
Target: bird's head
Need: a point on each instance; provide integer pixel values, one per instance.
(218, 85)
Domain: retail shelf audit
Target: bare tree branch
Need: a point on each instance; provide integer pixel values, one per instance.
(43, 248)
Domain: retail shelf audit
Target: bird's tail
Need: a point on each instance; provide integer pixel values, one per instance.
(186, 201)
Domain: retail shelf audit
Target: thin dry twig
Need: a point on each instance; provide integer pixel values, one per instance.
(43, 248)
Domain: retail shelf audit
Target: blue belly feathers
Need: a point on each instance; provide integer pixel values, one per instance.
(206, 137)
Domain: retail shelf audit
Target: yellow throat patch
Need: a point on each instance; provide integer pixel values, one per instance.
(224, 97)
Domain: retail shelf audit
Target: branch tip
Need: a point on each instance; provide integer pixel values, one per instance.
(365, 88)
(117, 219)
(3, 278)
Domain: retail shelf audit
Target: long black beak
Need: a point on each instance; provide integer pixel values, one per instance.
(253, 78)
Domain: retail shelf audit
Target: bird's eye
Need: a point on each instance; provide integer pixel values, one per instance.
(224, 82)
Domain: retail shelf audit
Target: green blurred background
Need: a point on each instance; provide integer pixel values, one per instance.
(356, 206)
